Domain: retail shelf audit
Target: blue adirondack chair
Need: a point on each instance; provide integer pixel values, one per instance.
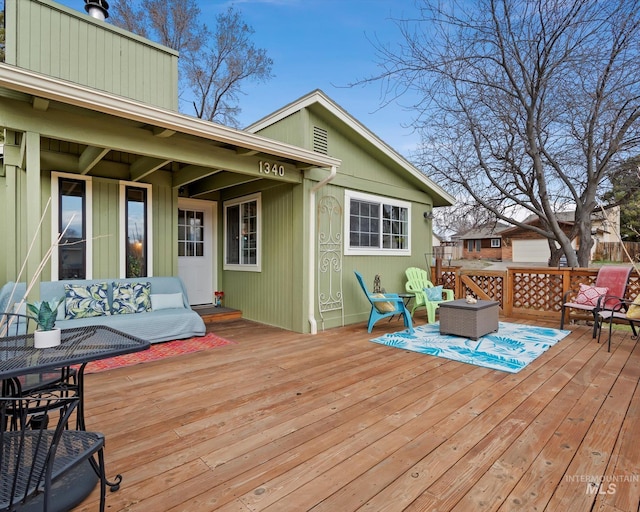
(384, 306)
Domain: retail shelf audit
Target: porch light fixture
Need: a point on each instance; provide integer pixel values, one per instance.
(98, 9)
(428, 215)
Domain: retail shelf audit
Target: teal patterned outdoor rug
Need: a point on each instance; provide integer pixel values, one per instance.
(510, 349)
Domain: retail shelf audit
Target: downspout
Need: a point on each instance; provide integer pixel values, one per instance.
(312, 248)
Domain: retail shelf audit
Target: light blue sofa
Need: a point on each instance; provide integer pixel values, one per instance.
(153, 326)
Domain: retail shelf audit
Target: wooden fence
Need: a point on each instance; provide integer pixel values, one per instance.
(524, 292)
(613, 251)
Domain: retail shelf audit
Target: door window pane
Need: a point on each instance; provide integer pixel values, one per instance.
(190, 233)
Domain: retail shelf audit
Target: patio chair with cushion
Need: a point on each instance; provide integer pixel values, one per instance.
(384, 305)
(426, 294)
(611, 281)
(619, 309)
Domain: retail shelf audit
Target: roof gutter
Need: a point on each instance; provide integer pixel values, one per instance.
(313, 325)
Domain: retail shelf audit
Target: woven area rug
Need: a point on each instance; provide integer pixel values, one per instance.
(159, 351)
(510, 349)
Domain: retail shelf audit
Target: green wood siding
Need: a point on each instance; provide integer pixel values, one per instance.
(365, 168)
(293, 130)
(107, 240)
(60, 42)
(165, 236)
(390, 268)
(268, 296)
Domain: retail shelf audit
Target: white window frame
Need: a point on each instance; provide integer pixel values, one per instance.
(122, 221)
(369, 251)
(495, 243)
(257, 267)
(55, 213)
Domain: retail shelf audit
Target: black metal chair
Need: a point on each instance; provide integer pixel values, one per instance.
(616, 311)
(42, 468)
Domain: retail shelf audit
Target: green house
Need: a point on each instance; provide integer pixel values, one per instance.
(277, 216)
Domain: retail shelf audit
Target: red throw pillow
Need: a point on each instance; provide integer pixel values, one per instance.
(589, 295)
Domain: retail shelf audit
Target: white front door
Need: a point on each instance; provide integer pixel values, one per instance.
(196, 246)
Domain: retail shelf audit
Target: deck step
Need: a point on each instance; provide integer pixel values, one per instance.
(211, 314)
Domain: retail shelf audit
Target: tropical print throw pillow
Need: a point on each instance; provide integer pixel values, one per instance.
(84, 301)
(130, 298)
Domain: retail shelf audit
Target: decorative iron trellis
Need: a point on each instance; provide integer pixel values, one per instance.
(329, 276)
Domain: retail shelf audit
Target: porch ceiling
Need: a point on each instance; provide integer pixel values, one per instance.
(90, 132)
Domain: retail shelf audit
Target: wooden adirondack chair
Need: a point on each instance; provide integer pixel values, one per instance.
(384, 305)
(417, 281)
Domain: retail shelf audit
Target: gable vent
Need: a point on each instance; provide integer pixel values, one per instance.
(320, 144)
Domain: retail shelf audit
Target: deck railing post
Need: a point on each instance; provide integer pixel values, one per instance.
(507, 307)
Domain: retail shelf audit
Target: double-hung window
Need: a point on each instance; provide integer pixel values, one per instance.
(377, 225)
(242, 229)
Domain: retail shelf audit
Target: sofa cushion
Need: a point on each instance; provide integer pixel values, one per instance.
(152, 326)
(166, 301)
(130, 297)
(84, 301)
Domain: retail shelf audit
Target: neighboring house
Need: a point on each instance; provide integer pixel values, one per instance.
(277, 217)
(528, 246)
(484, 242)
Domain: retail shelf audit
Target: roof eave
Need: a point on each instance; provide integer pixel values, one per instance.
(28, 82)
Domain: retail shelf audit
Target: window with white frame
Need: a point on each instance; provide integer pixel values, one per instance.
(71, 216)
(242, 233)
(136, 257)
(377, 225)
(495, 242)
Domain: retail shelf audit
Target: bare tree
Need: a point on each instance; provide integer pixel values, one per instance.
(213, 65)
(625, 192)
(127, 16)
(216, 73)
(461, 218)
(525, 104)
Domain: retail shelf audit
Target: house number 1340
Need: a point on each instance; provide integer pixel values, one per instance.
(275, 169)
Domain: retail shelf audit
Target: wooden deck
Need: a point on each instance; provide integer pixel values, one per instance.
(286, 422)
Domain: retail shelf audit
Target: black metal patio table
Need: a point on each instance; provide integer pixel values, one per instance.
(79, 346)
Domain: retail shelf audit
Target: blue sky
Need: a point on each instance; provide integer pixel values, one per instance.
(320, 44)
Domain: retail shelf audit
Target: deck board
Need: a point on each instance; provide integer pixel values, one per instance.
(280, 421)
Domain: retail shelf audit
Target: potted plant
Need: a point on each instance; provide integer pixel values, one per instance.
(45, 314)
